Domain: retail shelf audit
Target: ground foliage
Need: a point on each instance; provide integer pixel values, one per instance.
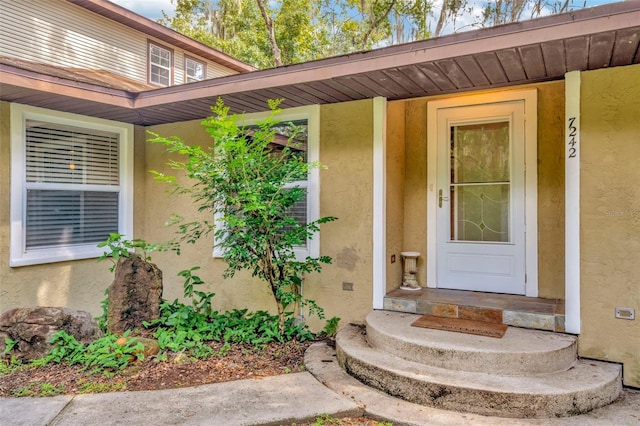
(228, 362)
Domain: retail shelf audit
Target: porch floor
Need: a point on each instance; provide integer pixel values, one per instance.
(513, 310)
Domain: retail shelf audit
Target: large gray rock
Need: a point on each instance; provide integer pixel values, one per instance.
(135, 295)
(33, 327)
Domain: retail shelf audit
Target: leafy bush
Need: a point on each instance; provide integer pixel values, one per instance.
(110, 352)
(189, 327)
(181, 327)
(251, 187)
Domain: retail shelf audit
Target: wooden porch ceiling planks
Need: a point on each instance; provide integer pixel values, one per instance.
(410, 88)
(532, 51)
(576, 51)
(421, 79)
(344, 86)
(512, 65)
(492, 67)
(436, 75)
(553, 54)
(600, 50)
(533, 62)
(625, 47)
(363, 89)
(454, 73)
(473, 70)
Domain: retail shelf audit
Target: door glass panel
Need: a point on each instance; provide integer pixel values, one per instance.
(480, 182)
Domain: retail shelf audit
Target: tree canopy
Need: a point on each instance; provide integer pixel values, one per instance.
(280, 32)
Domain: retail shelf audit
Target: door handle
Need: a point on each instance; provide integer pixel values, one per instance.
(441, 198)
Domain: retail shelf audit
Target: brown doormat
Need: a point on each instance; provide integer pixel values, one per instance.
(461, 326)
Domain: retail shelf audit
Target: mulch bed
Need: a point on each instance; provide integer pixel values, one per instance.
(240, 362)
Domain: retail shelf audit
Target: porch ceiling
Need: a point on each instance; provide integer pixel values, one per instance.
(532, 51)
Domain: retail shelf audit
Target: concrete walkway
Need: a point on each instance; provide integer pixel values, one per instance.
(279, 400)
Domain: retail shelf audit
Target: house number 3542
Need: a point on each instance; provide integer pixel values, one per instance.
(573, 133)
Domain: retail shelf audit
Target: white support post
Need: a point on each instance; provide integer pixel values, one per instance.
(379, 202)
(572, 202)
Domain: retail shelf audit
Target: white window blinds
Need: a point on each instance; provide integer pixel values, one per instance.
(66, 154)
(72, 185)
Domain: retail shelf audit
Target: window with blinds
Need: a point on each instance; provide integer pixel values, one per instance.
(71, 184)
(72, 178)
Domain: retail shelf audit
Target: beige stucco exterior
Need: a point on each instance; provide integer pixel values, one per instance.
(78, 284)
(346, 192)
(550, 183)
(395, 159)
(610, 216)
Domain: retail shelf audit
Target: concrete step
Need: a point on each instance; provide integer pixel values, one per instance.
(510, 309)
(519, 352)
(585, 386)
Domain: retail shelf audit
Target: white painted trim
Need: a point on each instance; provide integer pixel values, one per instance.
(530, 98)
(379, 202)
(19, 114)
(531, 191)
(432, 199)
(312, 114)
(572, 203)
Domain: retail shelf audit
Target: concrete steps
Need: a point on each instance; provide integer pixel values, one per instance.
(526, 374)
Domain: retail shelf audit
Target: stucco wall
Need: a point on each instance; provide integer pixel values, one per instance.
(160, 205)
(346, 192)
(550, 186)
(415, 184)
(346, 149)
(395, 192)
(610, 216)
(551, 190)
(78, 284)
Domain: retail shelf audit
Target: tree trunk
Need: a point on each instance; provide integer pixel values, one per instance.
(280, 317)
(275, 50)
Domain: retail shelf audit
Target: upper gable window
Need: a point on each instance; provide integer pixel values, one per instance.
(160, 64)
(71, 184)
(193, 70)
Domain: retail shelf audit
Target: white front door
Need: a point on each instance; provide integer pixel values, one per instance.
(480, 213)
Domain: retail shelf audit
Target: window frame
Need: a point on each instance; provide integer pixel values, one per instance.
(197, 61)
(19, 256)
(151, 44)
(310, 113)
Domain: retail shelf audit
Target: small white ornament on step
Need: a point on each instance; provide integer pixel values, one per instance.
(409, 281)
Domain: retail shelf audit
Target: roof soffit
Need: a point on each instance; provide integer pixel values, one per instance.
(531, 51)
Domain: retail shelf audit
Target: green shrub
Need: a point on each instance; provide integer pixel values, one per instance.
(110, 352)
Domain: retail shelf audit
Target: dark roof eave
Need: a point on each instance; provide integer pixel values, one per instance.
(364, 74)
(586, 21)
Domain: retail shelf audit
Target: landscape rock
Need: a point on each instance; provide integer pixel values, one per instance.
(135, 295)
(150, 346)
(33, 327)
